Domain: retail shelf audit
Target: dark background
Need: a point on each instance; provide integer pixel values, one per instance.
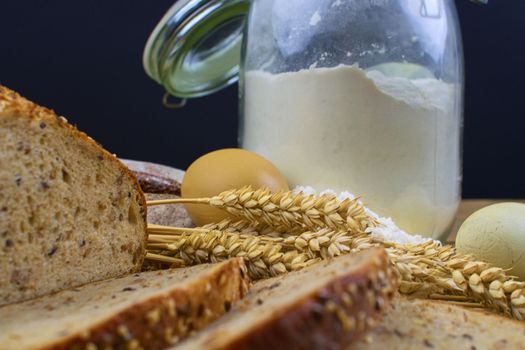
(83, 59)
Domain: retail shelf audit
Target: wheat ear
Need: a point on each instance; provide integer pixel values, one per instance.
(435, 271)
(285, 211)
(426, 270)
(264, 258)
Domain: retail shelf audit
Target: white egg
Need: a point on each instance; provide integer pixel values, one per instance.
(496, 234)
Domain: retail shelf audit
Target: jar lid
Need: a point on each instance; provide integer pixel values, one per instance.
(195, 48)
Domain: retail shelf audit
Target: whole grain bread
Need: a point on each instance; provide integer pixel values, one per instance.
(148, 310)
(70, 212)
(428, 324)
(325, 306)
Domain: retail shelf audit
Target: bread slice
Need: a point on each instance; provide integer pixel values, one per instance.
(325, 306)
(147, 310)
(70, 212)
(428, 324)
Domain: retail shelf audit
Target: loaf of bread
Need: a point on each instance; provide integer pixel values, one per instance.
(148, 310)
(427, 324)
(168, 215)
(325, 306)
(70, 212)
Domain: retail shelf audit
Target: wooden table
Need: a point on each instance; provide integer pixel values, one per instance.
(468, 206)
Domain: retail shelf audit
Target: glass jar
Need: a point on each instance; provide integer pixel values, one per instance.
(355, 95)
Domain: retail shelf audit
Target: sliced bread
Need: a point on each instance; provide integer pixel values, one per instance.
(325, 306)
(70, 212)
(148, 310)
(427, 324)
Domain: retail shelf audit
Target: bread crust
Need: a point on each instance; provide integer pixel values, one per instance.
(171, 322)
(332, 317)
(151, 183)
(311, 323)
(158, 321)
(13, 105)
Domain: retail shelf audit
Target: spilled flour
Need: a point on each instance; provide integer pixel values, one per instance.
(387, 230)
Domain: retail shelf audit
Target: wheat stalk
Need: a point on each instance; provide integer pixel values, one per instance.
(426, 270)
(286, 211)
(243, 227)
(230, 226)
(332, 228)
(264, 256)
(429, 269)
(227, 225)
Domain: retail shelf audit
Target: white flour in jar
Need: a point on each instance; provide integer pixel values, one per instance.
(394, 141)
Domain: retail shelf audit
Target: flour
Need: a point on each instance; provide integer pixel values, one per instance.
(393, 141)
(387, 230)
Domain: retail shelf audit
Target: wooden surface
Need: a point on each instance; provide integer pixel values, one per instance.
(468, 206)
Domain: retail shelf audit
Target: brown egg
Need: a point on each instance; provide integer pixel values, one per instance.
(224, 170)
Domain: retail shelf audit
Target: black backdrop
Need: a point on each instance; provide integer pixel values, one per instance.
(83, 58)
